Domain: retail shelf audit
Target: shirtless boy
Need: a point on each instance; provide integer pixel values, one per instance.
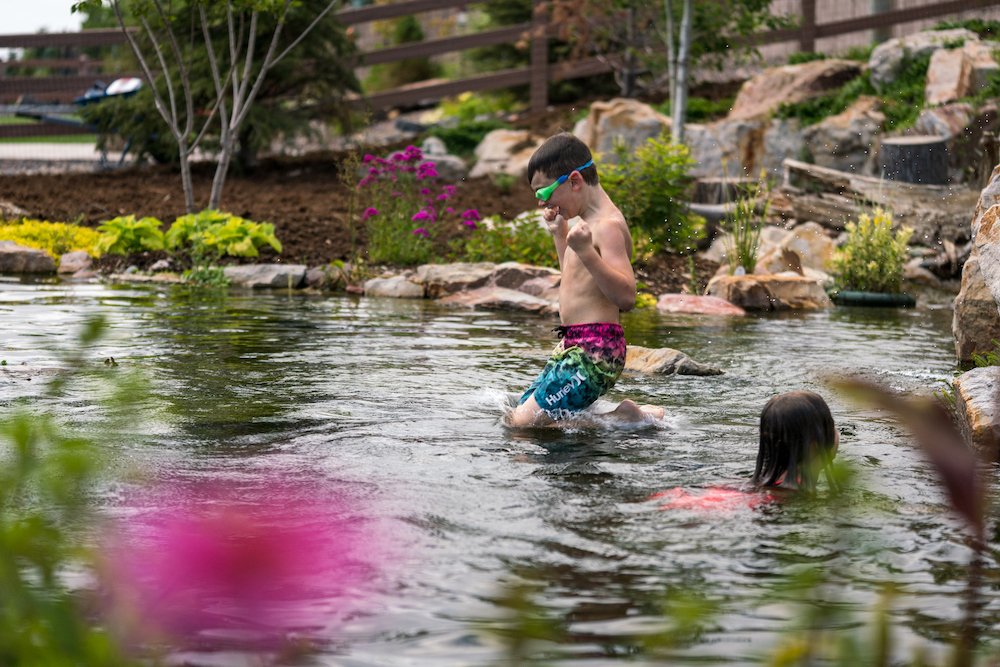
(597, 284)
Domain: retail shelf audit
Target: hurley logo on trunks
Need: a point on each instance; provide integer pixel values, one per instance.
(574, 382)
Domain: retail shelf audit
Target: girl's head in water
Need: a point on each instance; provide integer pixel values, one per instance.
(797, 440)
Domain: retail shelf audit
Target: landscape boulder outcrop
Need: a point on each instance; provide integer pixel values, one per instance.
(782, 291)
(620, 121)
(976, 399)
(664, 361)
(16, 258)
(788, 84)
(505, 152)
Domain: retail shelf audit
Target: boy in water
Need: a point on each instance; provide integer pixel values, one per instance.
(597, 284)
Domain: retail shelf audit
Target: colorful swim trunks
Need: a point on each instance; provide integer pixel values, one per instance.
(583, 367)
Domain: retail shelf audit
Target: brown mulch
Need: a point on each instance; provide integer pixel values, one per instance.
(305, 199)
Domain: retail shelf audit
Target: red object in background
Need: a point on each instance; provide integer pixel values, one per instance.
(713, 498)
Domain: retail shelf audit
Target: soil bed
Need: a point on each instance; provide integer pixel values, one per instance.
(304, 198)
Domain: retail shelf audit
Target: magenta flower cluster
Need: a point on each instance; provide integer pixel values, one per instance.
(408, 167)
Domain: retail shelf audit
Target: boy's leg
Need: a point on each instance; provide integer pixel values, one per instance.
(529, 414)
(629, 411)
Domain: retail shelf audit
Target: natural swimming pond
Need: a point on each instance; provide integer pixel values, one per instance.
(399, 401)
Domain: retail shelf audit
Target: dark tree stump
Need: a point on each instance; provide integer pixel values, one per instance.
(916, 159)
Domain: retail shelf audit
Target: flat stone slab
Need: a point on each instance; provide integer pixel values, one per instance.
(162, 278)
(694, 304)
(664, 361)
(288, 276)
(395, 287)
(976, 394)
(501, 298)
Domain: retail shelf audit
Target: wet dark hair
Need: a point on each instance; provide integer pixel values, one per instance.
(560, 154)
(797, 440)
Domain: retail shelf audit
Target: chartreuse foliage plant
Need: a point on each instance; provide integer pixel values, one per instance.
(45, 478)
(215, 234)
(650, 186)
(524, 239)
(873, 256)
(125, 234)
(55, 238)
(744, 223)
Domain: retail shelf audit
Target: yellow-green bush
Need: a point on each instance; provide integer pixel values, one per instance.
(55, 238)
(872, 259)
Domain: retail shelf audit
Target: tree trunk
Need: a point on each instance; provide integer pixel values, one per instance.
(919, 159)
(679, 110)
(668, 8)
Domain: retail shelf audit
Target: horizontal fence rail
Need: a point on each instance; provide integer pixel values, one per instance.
(83, 72)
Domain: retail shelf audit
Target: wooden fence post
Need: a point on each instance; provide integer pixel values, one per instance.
(807, 33)
(539, 57)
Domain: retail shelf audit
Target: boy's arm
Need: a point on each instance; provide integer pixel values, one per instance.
(559, 227)
(611, 268)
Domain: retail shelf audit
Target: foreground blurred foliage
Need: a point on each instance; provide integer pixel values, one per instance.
(45, 479)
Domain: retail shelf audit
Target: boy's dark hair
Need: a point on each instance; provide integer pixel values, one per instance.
(797, 440)
(561, 154)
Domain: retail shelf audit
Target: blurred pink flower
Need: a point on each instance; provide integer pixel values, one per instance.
(470, 214)
(421, 231)
(369, 212)
(421, 216)
(263, 561)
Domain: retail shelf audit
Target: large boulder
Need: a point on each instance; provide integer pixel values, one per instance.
(738, 148)
(449, 167)
(440, 280)
(694, 304)
(986, 233)
(16, 258)
(976, 397)
(505, 152)
(976, 321)
(812, 247)
(255, 276)
(619, 121)
(788, 84)
(959, 72)
(770, 292)
(847, 141)
(886, 61)
(664, 361)
(71, 262)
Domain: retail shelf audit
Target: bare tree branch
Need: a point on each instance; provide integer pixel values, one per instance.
(305, 32)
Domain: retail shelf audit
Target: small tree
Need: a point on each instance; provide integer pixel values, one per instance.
(167, 44)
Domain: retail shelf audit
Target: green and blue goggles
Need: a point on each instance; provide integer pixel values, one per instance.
(546, 192)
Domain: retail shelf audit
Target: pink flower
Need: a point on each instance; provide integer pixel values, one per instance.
(261, 560)
(371, 211)
(442, 197)
(471, 214)
(421, 231)
(471, 224)
(426, 170)
(421, 216)
(368, 158)
(450, 190)
(449, 210)
(425, 191)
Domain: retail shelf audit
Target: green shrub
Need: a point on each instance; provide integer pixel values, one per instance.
(55, 238)
(800, 57)
(125, 234)
(403, 30)
(216, 234)
(872, 259)
(650, 186)
(859, 53)
(463, 138)
(987, 29)
(699, 109)
(468, 107)
(523, 239)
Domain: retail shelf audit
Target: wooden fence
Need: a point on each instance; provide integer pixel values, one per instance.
(82, 73)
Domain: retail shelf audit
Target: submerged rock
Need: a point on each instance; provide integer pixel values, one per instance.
(664, 361)
(501, 298)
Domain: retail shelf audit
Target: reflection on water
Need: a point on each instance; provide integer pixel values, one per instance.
(403, 400)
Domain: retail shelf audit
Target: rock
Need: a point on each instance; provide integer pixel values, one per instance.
(500, 298)
(986, 234)
(976, 396)
(976, 322)
(770, 292)
(514, 274)
(620, 121)
(914, 272)
(697, 305)
(505, 152)
(318, 278)
(741, 148)
(160, 265)
(764, 93)
(135, 277)
(664, 361)
(10, 211)
(440, 280)
(16, 258)
(433, 147)
(886, 61)
(810, 242)
(73, 262)
(847, 141)
(397, 287)
(959, 72)
(287, 276)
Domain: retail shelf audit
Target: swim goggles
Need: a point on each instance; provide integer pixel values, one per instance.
(546, 192)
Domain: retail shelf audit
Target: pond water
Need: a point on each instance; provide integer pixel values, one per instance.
(400, 401)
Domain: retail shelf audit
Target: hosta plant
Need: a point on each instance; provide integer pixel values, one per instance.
(215, 234)
(125, 234)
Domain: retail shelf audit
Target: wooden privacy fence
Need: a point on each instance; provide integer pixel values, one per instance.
(82, 73)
